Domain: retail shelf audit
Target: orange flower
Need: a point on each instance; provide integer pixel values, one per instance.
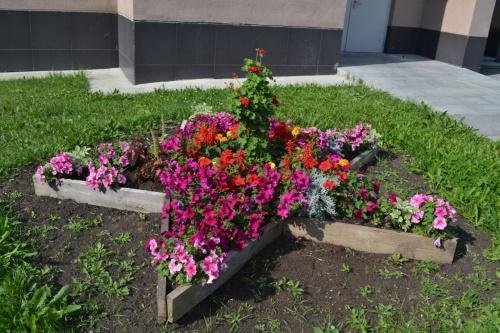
(206, 135)
(329, 184)
(290, 146)
(204, 161)
(226, 158)
(325, 166)
(345, 164)
(286, 163)
(307, 157)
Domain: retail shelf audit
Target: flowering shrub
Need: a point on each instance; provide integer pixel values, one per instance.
(103, 171)
(254, 102)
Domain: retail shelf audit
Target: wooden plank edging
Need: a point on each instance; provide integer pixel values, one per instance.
(365, 158)
(182, 299)
(161, 287)
(121, 198)
(371, 239)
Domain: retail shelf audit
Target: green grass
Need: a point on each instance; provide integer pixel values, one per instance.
(43, 116)
(29, 301)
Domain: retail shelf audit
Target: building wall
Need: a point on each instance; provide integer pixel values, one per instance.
(453, 31)
(56, 34)
(155, 40)
(326, 14)
(493, 44)
(192, 39)
(94, 6)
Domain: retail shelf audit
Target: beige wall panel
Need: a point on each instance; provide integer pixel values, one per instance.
(407, 13)
(481, 20)
(99, 6)
(125, 8)
(300, 13)
(458, 16)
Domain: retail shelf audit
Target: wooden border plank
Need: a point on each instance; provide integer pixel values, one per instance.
(182, 299)
(365, 158)
(122, 198)
(161, 287)
(370, 239)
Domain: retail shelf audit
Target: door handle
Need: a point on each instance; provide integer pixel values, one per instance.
(355, 3)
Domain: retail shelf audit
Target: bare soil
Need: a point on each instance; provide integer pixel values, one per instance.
(330, 289)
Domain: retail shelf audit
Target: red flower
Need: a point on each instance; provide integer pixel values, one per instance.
(254, 69)
(234, 75)
(226, 158)
(276, 101)
(238, 180)
(204, 162)
(244, 101)
(342, 176)
(325, 165)
(239, 158)
(261, 52)
(253, 179)
(329, 184)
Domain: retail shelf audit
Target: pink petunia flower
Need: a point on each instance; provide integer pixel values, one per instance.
(440, 212)
(439, 223)
(417, 217)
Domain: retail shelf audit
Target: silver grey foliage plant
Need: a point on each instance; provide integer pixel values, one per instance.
(321, 205)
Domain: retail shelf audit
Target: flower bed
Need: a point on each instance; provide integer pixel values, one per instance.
(226, 175)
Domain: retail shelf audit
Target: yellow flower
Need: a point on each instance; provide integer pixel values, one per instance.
(272, 165)
(229, 133)
(296, 131)
(343, 163)
(221, 138)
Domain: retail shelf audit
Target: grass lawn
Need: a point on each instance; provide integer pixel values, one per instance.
(42, 117)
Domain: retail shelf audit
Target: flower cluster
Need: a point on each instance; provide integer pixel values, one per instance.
(103, 171)
(217, 204)
(361, 136)
(61, 164)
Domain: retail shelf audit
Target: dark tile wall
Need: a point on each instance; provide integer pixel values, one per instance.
(57, 40)
(460, 50)
(493, 44)
(401, 39)
(173, 51)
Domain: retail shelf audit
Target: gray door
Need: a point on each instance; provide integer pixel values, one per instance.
(365, 25)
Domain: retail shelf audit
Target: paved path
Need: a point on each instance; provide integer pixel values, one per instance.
(109, 80)
(461, 92)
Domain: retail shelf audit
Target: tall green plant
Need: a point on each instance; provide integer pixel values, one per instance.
(254, 101)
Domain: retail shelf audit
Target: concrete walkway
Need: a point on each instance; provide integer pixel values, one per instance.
(109, 80)
(461, 92)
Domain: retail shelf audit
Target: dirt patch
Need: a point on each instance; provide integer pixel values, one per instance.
(331, 280)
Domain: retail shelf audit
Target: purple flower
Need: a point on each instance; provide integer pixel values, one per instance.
(417, 217)
(437, 243)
